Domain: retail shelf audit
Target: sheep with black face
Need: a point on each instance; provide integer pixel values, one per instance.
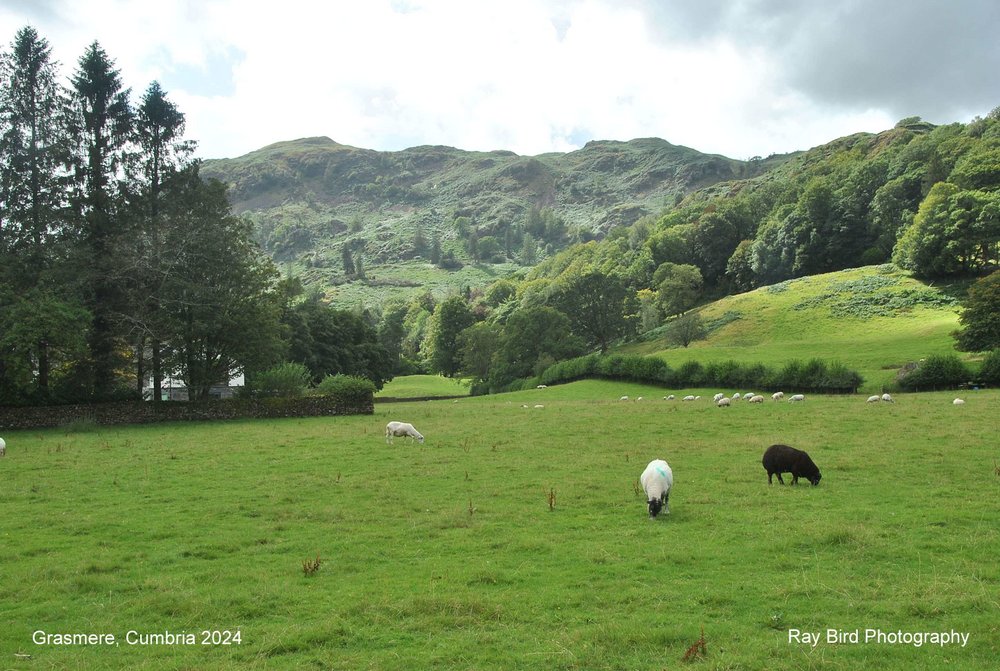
(780, 459)
(657, 481)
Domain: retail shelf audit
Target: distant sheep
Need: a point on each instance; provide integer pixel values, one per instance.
(747, 396)
(874, 399)
(778, 395)
(669, 398)
(657, 481)
(639, 398)
(539, 406)
(688, 398)
(796, 398)
(958, 401)
(718, 397)
(780, 459)
(623, 398)
(757, 399)
(541, 386)
(737, 396)
(723, 402)
(393, 429)
(3, 447)
(887, 398)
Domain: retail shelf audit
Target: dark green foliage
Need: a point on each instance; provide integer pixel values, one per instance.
(285, 380)
(450, 318)
(815, 375)
(685, 329)
(599, 306)
(981, 316)
(330, 341)
(533, 339)
(938, 371)
(345, 386)
(989, 371)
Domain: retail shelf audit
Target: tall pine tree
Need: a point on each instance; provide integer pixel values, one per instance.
(104, 131)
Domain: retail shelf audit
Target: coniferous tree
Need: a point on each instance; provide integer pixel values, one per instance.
(103, 125)
(34, 151)
(159, 129)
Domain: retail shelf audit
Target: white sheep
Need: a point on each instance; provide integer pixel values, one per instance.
(723, 402)
(639, 398)
(539, 406)
(669, 398)
(393, 429)
(3, 447)
(688, 398)
(657, 481)
(757, 399)
(887, 398)
(796, 398)
(958, 401)
(737, 396)
(718, 397)
(623, 398)
(747, 396)
(874, 399)
(541, 386)
(697, 398)
(778, 395)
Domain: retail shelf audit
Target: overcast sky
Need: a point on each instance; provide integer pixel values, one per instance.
(735, 77)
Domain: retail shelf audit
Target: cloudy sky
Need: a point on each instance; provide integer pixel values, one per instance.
(736, 77)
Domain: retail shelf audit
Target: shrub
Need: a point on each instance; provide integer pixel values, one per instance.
(285, 381)
(989, 372)
(344, 385)
(938, 371)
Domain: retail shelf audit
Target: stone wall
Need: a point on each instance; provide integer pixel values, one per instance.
(144, 412)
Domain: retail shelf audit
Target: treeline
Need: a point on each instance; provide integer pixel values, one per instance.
(119, 263)
(924, 197)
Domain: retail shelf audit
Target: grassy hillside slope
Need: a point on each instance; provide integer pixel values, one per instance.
(446, 555)
(874, 319)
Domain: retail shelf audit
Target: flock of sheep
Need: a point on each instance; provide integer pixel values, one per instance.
(658, 479)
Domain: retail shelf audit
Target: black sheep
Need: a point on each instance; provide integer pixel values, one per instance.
(780, 459)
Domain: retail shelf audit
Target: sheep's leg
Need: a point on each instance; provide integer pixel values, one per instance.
(795, 479)
(666, 499)
(780, 478)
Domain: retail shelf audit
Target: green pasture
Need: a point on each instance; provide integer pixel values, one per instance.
(873, 319)
(418, 386)
(446, 554)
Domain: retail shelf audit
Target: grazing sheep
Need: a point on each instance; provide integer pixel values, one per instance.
(737, 396)
(697, 398)
(541, 386)
(796, 398)
(887, 398)
(657, 480)
(780, 459)
(874, 399)
(669, 398)
(958, 401)
(688, 398)
(778, 395)
(723, 402)
(623, 398)
(639, 398)
(3, 447)
(718, 397)
(393, 429)
(747, 396)
(538, 406)
(757, 399)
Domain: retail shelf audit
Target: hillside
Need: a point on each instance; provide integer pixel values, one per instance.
(873, 319)
(313, 198)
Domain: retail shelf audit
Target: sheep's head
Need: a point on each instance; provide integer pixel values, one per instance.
(420, 439)
(655, 506)
(815, 479)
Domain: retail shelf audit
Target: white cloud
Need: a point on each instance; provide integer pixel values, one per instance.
(527, 75)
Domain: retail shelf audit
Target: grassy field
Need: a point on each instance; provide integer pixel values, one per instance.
(417, 386)
(446, 555)
(874, 319)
